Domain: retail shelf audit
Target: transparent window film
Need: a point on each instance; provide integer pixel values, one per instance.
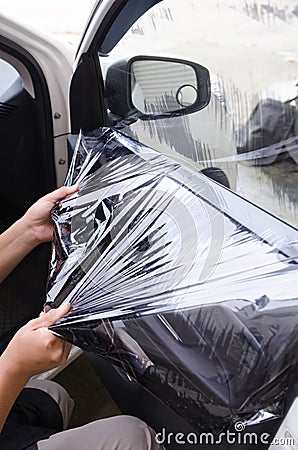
(246, 136)
(159, 264)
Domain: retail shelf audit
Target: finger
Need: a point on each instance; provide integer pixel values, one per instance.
(51, 316)
(61, 193)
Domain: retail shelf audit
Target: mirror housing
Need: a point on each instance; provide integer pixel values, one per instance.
(152, 87)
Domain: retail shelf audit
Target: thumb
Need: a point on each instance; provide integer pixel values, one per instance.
(61, 193)
(51, 316)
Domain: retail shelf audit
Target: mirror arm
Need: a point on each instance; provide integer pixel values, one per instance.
(120, 122)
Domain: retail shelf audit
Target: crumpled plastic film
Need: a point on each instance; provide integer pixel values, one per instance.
(189, 289)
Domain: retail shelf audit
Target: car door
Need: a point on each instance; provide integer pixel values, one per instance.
(223, 37)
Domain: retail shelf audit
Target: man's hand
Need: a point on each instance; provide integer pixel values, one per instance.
(32, 229)
(34, 349)
(38, 217)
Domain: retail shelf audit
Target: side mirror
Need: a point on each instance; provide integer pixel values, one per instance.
(151, 87)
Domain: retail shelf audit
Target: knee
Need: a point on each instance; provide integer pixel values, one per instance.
(139, 434)
(58, 394)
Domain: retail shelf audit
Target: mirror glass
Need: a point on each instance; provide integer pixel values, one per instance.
(162, 86)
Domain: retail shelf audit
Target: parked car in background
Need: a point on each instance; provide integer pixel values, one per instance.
(272, 129)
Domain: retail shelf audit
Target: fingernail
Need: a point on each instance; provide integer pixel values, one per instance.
(64, 305)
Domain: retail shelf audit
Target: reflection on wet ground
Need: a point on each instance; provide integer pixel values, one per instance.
(272, 187)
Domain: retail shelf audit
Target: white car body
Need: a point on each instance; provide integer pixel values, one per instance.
(55, 60)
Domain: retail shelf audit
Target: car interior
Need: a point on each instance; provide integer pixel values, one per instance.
(24, 179)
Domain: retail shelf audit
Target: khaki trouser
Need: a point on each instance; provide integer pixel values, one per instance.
(114, 433)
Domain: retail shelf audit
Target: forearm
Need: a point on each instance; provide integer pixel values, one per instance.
(15, 244)
(11, 384)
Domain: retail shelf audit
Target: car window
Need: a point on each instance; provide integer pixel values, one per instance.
(246, 137)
